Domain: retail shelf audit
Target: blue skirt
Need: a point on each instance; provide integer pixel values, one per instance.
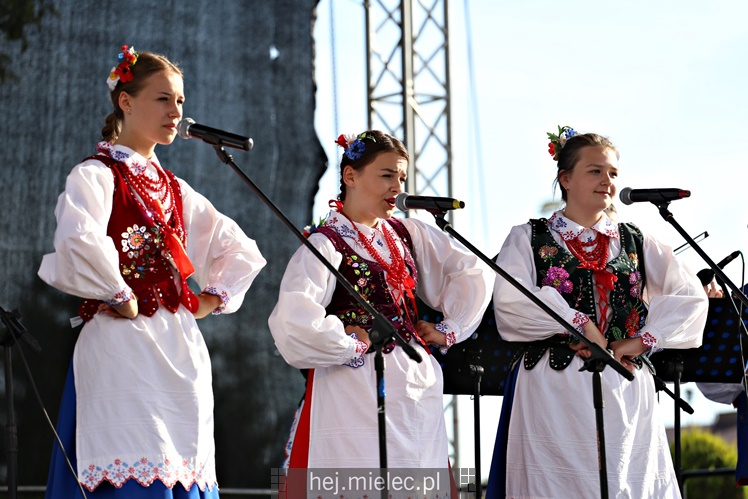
(61, 484)
(496, 488)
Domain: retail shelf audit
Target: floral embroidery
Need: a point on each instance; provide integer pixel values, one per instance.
(342, 230)
(361, 349)
(557, 222)
(579, 321)
(142, 247)
(122, 297)
(633, 323)
(450, 336)
(648, 340)
(558, 278)
(354, 317)
(135, 238)
(136, 163)
(547, 252)
(635, 279)
(145, 471)
(634, 259)
(608, 227)
(568, 229)
(361, 269)
(223, 295)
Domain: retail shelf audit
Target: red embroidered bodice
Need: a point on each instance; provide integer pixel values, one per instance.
(144, 255)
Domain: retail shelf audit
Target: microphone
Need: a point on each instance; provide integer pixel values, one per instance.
(706, 275)
(188, 129)
(629, 195)
(405, 201)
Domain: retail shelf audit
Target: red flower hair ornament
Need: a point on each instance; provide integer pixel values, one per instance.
(123, 71)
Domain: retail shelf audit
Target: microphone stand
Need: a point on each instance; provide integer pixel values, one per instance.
(599, 357)
(15, 331)
(382, 331)
(477, 372)
(720, 276)
(662, 206)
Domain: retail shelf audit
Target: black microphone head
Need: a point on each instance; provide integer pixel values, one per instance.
(705, 276)
(732, 256)
(624, 196)
(400, 201)
(183, 127)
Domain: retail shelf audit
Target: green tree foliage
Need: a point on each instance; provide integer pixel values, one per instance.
(701, 450)
(15, 16)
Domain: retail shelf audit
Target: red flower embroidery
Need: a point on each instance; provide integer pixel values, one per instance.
(632, 323)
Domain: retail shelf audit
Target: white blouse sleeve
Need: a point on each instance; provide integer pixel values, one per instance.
(86, 261)
(450, 278)
(678, 305)
(304, 334)
(517, 318)
(226, 261)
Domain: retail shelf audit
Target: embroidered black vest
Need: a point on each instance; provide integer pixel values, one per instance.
(628, 310)
(368, 278)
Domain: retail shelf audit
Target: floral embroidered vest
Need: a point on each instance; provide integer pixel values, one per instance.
(628, 310)
(368, 278)
(142, 262)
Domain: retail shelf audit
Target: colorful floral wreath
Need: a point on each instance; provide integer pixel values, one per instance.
(558, 141)
(123, 71)
(354, 144)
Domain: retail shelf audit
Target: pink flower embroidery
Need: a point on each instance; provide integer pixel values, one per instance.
(559, 279)
(635, 279)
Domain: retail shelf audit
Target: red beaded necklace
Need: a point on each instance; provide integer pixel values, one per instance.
(396, 272)
(157, 197)
(158, 206)
(594, 259)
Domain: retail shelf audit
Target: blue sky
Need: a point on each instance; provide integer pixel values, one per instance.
(666, 81)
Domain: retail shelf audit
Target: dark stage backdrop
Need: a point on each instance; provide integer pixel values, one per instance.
(248, 68)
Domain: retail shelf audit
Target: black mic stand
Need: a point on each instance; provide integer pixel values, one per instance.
(720, 276)
(382, 331)
(15, 331)
(662, 206)
(599, 357)
(677, 369)
(476, 369)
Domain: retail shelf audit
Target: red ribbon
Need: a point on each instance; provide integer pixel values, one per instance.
(336, 205)
(602, 275)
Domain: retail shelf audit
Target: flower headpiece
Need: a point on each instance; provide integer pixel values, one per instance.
(123, 71)
(353, 144)
(558, 141)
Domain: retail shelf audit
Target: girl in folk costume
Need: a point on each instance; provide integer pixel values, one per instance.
(137, 411)
(623, 290)
(318, 326)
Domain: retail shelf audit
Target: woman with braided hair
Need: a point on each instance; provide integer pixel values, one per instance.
(318, 327)
(137, 410)
(623, 290)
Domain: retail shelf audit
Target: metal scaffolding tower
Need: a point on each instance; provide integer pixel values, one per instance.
(407, 43)
(408, 95)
